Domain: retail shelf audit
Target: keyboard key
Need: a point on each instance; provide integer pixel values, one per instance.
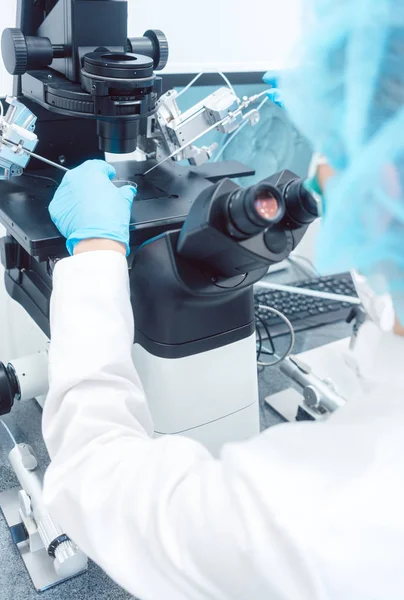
(304, 311)
(302, 315)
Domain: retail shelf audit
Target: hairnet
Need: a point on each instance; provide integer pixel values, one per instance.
(345, 92)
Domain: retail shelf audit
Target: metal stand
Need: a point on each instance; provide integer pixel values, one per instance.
(289, 404)
(326, 382)
(49, 555)
(38, 564)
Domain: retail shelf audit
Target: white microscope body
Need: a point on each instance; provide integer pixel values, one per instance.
(211, 397)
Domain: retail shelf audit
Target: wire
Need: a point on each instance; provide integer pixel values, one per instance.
(296, 264)
(258, 331)
(231, 138)
(9, 432)
(195, 79)
(41, 177)
(292, 336)
(190, 84)
(258, 96)
(271, 351)
(306, 260)
(262, 350)
(227, 81)
(246, 102)
(235, 133)
(207, 130)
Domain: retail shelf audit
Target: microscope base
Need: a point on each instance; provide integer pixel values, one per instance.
(38, 564)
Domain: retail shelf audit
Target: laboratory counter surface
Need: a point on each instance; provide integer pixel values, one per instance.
(25, 423)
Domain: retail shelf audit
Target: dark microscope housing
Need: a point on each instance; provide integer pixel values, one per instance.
(90, 68)
(207, 269)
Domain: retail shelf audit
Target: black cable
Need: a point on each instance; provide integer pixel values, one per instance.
(284, 318)
(41, 177)
(270, 340)
(257, 330)
(260, 340)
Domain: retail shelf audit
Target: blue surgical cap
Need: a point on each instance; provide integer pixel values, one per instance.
(345, 91)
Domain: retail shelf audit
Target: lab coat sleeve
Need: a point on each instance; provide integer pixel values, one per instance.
(161, 516)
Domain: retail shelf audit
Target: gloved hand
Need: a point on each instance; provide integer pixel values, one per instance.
(273, 94)
(88, 205)
(276, 97)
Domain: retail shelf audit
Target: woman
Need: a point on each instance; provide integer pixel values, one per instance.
(307, 510)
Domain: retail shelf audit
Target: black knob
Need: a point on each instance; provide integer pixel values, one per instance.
(160, 44)
(14, 51)
(8, 389)
(22, 53)
(154, 45)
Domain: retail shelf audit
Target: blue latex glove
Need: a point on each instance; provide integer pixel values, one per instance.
(273, 94)
(88, 205)
(270, 78)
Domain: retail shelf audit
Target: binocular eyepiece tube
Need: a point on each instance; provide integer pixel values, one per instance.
(252, 209)
(262, 206)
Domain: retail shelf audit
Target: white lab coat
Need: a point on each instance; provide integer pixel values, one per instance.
(305, 511)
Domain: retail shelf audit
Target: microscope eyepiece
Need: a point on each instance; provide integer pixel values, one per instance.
(231, 231)
(266, 205)
(300, 204)
(253, 209)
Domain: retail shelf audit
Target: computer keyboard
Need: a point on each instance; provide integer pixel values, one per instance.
(305, 312)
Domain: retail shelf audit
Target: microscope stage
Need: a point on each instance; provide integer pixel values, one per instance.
(163, 201)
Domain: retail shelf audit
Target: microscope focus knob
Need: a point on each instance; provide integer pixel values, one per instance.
(153, 44)
(8, 389)
(22, 53)
(160, 44)
(14, 51)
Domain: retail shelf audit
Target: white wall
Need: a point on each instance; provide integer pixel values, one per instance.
(225, 34)
(221, 35)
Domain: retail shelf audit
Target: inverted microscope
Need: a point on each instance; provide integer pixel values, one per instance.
(83, 88)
